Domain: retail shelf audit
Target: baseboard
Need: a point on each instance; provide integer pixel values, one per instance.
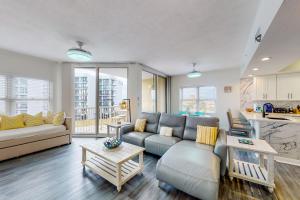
(289, 161)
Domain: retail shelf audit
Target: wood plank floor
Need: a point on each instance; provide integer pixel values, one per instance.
(57, 174)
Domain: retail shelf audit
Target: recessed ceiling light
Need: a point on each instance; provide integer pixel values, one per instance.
(266, 59)
(250, 75)
(255, 68)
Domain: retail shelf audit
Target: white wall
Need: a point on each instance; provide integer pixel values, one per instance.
(33, 67)
(219, 79)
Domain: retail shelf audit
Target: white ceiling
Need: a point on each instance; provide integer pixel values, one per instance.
(281, 42)
(167, 35)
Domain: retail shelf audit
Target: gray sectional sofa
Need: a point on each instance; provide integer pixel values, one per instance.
(189, 166)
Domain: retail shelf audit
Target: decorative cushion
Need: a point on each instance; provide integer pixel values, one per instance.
(36, 120)
(140, 125)
(166, 131)
(49, 118)
(207, 135)
(59, 119)
(8, 122)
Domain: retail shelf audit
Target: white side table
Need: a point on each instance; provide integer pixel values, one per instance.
(116, 126)
(256, 173)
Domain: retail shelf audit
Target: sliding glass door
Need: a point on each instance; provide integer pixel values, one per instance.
(153, 92)
(112, 90)
(161, 90)
(98, 93)
(148, 92)
(85, 100)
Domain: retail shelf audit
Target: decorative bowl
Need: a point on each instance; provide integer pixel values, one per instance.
(249, 109)
(112, 142)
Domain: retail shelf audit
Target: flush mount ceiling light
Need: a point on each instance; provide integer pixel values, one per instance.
(79, 54)
(255, 68)
(250, 75)
(266, 59)
(194, 73)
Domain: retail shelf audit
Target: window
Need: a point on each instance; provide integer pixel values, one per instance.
(189, 99)
(198, 99)
(24, 95)
(207, 99)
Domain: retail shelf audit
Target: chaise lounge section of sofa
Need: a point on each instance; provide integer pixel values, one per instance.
(192, 167)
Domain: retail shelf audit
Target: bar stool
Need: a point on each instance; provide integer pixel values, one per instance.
(239, 129)
(240, 120)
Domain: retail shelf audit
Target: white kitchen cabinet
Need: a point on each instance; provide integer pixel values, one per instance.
(288, 87)
(265, 87)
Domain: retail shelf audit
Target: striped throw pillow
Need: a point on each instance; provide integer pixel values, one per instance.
(207, 135)
(33, 120)
(13, 122)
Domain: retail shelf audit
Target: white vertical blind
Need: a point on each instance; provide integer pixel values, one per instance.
(24, 95)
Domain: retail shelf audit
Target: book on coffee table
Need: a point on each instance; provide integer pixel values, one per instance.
(245, 141)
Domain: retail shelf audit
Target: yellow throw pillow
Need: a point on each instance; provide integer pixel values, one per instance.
(140, 125)
(59, 119)
(13, 122)
(207, 135)
(33, 120)
(49, 118)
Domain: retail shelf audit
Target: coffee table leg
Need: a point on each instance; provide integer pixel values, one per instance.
(141, 162)
(118, 177)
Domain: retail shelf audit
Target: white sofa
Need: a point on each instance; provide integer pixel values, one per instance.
(22, 141)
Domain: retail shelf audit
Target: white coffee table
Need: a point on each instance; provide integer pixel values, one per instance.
(256, 173)
(114, 165)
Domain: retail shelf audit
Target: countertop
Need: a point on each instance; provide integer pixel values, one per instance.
(291, 118)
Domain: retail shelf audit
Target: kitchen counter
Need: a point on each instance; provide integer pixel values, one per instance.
(288, 118)
(282, 135)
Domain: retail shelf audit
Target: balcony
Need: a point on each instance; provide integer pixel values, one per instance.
(85, 119)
